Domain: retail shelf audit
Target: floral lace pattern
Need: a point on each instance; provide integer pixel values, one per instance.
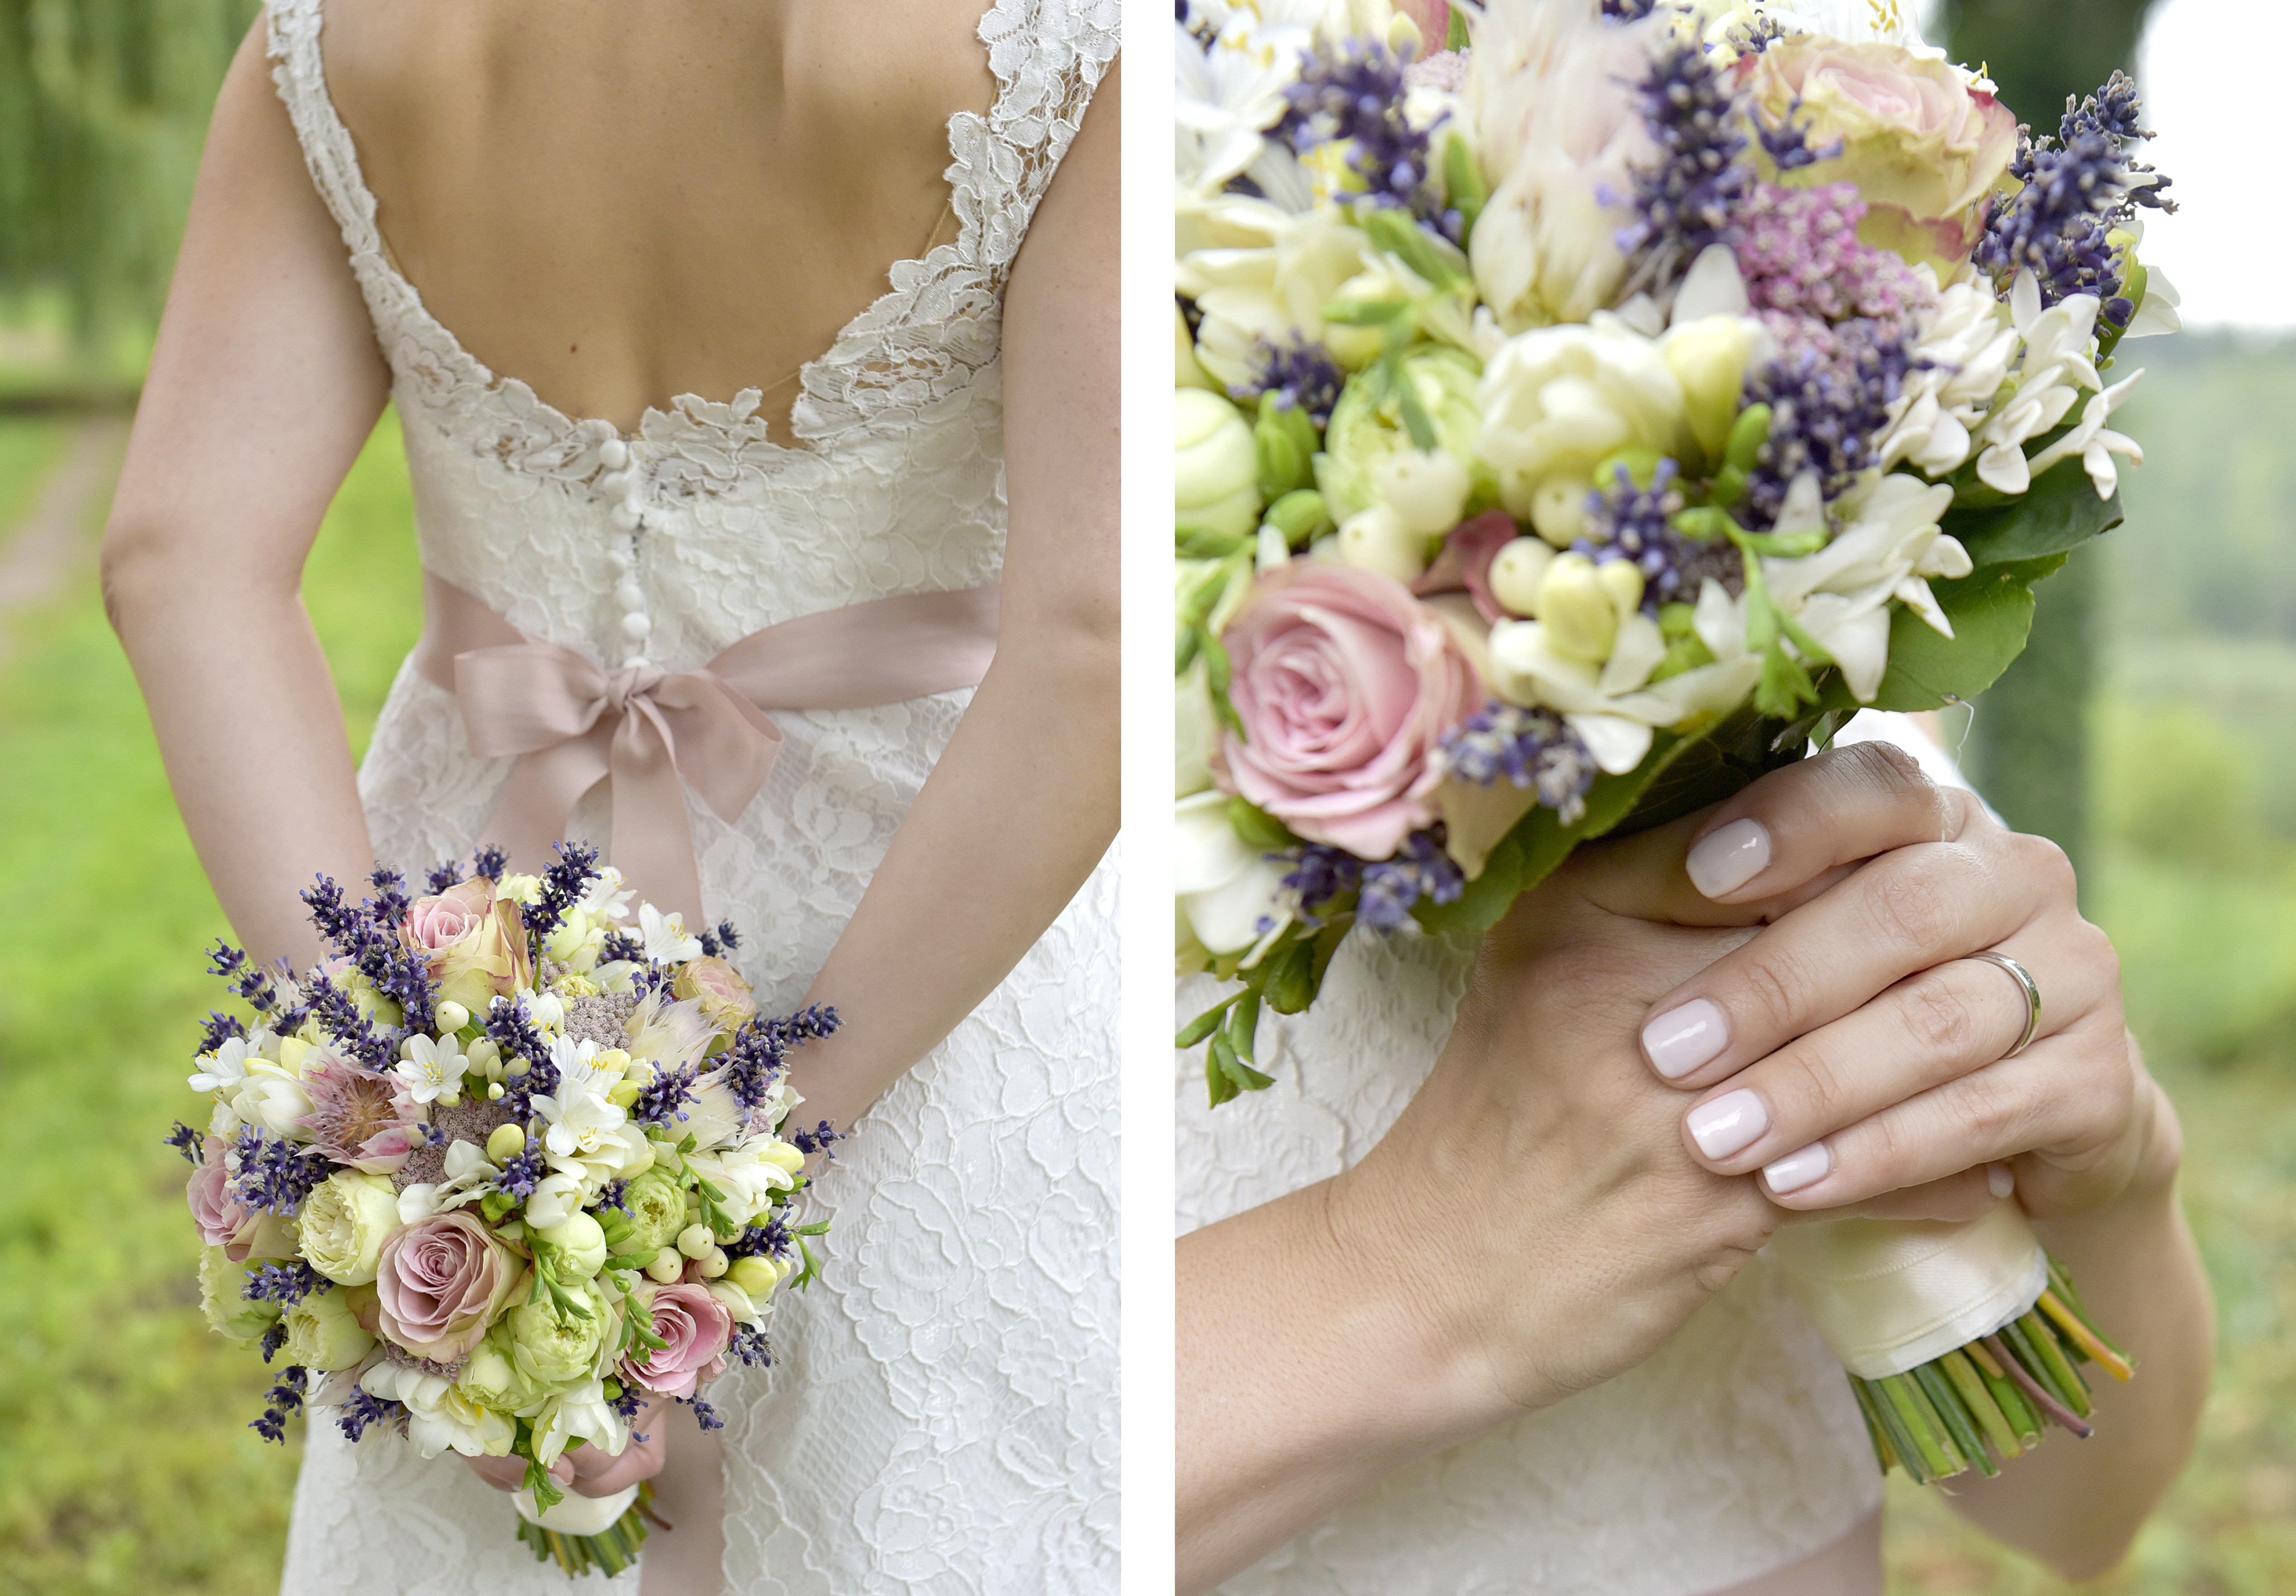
(1736, 1451)
(941, 1411)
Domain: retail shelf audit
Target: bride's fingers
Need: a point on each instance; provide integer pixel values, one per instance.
(1956, 1199)
(508, 1474)
(1911, 909)
(2051, 1097)
(1785, 839)
(1928, 1030)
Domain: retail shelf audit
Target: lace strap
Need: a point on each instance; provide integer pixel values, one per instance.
(302, 77)
(1047, 56)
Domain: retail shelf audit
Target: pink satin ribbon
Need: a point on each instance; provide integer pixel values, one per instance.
(573, 724)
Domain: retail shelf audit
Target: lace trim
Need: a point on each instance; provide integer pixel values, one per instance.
(929, 336)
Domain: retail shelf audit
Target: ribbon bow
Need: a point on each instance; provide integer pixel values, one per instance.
(573, 724)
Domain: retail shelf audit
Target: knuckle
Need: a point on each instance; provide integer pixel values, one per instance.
(1777, 988)
(1986, 1113)
(1884, 766)
(1914, 907)
(1937, 1016)
(1826, 1082)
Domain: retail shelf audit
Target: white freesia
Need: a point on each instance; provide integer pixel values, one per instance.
(1557, 400)
(2159, 312)
(2096, 442)
(439, 1417)
(1197, 734)
(2053, 371)
(469, 1175)
(433, 1068)
(225, 1069)
(1225, 95)
(665, 937)
(749, 1172)
(1961, 353)
(1224, 884)
(274, 1098)
(589, 1138)
(555, 1196)
(1888, 550)
(583, 1412)
(1551, 89)
(1261, 275)
(1614, 707)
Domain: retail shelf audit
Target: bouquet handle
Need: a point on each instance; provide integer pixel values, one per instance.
(1961, 1339)
(582, 1532)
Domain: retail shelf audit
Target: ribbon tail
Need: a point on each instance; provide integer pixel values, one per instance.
(653, 839)
(543, 789)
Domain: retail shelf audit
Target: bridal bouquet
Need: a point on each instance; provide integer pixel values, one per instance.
(1574, 423)
(499, 1170)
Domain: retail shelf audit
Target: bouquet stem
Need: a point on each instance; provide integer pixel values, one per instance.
(1980, 1405)
(610, 1552)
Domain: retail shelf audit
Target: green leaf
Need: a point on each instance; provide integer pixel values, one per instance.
(1992, 613)
(1200, 542)
(1364, 313)
(1243, 1027)
(1437, 264)
(1202, 1026)
(2060, 511)
(1455, 36)
(1463, 176)
(1256, 827)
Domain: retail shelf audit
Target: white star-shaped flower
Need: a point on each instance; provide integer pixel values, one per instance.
(433, 1068)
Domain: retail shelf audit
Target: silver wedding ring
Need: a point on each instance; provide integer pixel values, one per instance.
(2025, 984)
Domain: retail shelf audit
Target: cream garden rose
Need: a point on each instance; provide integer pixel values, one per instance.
(344, 1224)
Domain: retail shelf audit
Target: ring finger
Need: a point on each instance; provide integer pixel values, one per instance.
(1930, 1029)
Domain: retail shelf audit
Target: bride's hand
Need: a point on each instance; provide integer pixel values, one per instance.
(1532, 1203)
(587, 1471)
(1853, 1051)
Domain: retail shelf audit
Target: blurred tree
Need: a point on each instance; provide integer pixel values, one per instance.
(103, 107)
(2031, 734)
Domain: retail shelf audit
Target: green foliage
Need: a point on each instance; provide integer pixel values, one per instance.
(129, 1466)
(103, 108)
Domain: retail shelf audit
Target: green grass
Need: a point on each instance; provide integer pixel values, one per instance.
(127, 1466)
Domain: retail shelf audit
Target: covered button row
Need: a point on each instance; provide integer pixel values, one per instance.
(628, 515)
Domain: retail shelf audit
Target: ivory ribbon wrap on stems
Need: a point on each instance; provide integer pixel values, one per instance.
(1890, 1294)
(576, 1514)
(573, 723)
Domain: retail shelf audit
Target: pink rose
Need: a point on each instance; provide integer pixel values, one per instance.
(1468, 549)
(214, 1210)
(1924, 150)
(726, 999)
(476, 941)
(441, 1281)
(698, 1330)
(1343, 682)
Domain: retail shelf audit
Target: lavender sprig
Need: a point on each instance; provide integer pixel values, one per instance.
(1392, 887)
(283, 1400)
(444, 878)
(253, 983)
(362, 1409)
(185, 1141)
(750, 1345)
(665, 1098)
(562, 887)
(220, 1027)
(1354, 93)
(1532, 748)
(490, 862)
(271, 1173)
(816, 1140)
(512, 1030)
(285, 1284)
(1298, 374)
(1684, 199)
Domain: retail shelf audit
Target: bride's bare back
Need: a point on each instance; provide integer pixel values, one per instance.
(623, 200)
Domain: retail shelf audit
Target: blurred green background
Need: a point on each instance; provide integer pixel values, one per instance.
(2152, 728)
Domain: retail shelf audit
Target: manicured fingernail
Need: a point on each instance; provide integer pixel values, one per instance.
(1729, 857)
(1680, 1040)
(1727, 1123)
(1799, 1169)
(1999, 1180)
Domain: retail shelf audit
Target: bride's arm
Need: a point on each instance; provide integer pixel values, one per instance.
(264, 383)
(1022, 803)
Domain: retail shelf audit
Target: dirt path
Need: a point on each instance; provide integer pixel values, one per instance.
(45, 549)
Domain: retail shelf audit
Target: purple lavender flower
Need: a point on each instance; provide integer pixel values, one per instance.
(185, 1141)
(283, 1399)
(524, 1171)
(562, 887)
(1355, 92)
(1637, 524)
(490, 862)
(2078, 186)
(1528, 749)
(1392, 887)
(1319, 876)
(1299, 374)
(704, 1414)
(271, 1173)
(766, 1238)
(219, 1028)
(285, 1284)
(664, 1099)
(444, 876)
(1684, 202)
(1828, 392)
(362, 1409)
(749, 1345)
(816, 1140)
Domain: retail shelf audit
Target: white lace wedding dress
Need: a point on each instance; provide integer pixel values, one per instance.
(941, 1414)
(1734, 1453)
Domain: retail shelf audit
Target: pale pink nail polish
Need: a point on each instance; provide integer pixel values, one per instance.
(1999, 1180)
(1796, 1170)
(1681, 1039)
(1731, 1122)
(1727, 858)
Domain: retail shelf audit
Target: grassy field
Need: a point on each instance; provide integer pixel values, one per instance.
(127, 1467)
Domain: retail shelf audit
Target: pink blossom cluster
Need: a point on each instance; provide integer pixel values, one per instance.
(1799, 254)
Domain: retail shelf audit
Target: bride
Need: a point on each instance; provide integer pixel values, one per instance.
(1475, 1306)
(529, 226)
